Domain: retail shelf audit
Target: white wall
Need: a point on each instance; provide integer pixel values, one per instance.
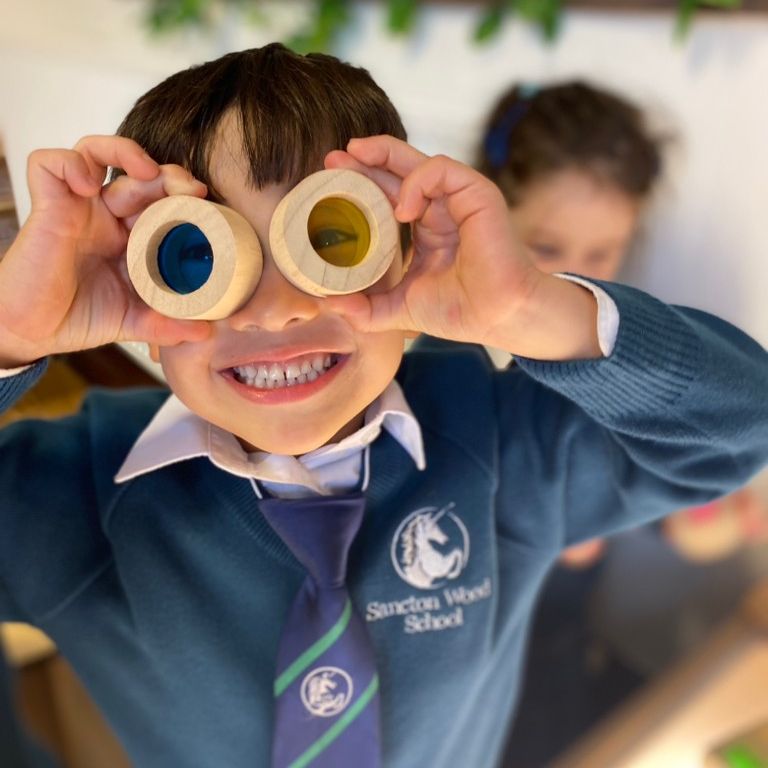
(74, 68)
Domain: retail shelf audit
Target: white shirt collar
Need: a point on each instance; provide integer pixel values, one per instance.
(176, 434)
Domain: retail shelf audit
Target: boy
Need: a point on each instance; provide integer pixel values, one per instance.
(165, 584)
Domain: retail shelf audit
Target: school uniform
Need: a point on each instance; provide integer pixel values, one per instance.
(132, 534)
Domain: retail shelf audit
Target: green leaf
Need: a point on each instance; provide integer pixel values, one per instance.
(331, 16)
(166, 15)
(490, 23)
(401, 16)
(686, 10)
(549, 20)
(545, 14)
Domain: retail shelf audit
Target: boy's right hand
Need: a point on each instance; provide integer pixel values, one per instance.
(63, 282)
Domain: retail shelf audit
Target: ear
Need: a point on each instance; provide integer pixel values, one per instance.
(154, 352)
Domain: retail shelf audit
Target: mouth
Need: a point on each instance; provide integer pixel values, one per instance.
(302, 370)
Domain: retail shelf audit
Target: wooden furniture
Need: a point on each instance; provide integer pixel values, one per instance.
(59, 712)
(8, 224)
(712, 696)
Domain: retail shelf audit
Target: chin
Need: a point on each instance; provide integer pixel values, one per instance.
(293, 445)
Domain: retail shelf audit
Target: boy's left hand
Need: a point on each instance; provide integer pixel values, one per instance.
(468, 277)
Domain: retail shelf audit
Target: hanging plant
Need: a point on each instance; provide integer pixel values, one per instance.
(401, 16)
(687, 8)
(331, 17)
(545, 14)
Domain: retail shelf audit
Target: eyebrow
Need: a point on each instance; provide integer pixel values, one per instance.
(543, 233)
(557, 238)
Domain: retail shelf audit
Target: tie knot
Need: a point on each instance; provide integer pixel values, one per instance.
(319, 531)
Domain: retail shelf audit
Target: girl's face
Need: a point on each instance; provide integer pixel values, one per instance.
(571, 222)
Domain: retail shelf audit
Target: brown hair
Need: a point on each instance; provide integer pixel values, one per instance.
(293, 109)
(533, 133)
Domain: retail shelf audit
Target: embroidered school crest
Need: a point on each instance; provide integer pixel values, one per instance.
(430, 547)
(326, 691)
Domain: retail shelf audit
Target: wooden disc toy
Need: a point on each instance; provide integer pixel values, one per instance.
(334, 233)
(194, 259)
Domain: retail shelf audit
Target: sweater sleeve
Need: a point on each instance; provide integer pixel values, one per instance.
(56, 487)
(13, 387)
(675, 416)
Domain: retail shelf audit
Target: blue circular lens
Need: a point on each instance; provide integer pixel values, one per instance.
(185, 258)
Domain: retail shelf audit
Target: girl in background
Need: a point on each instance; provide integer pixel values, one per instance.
(578, 165)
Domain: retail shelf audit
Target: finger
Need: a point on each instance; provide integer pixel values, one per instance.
(142, 323)
(464, 193)
(179, 181)
(373, 312)
(57, 172)
(388, 182)
(126, 197)
(119, 152)
(386, 152)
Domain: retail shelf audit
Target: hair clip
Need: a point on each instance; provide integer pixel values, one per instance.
(497, 140)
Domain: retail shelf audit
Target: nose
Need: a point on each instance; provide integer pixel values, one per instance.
(275, 304)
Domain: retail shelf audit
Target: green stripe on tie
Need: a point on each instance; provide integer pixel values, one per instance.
(314, 651)
(338, 727)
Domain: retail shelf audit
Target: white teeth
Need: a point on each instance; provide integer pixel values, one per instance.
(276, 375)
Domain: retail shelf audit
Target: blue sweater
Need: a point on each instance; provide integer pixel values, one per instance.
(167, 593)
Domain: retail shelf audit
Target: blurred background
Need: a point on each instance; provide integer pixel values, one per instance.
(699, 70)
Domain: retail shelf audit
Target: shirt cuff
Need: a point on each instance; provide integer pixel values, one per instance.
(607, 313)
(6, 373)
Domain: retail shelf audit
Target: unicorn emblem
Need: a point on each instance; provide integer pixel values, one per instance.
(419, 562)
(326, 691)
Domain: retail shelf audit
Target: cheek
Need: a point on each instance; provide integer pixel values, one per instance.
(384, 351)
(185, 366)
(609, 269)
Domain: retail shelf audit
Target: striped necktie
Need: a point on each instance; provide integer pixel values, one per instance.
(326, 687)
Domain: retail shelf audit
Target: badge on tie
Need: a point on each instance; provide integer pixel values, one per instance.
(326, 686)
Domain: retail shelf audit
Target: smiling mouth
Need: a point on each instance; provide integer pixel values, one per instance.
(272, 375)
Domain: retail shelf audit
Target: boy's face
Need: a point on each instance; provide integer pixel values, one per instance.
(286, 334)
(572, 223)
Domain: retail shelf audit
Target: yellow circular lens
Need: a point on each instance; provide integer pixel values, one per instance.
(339, 232)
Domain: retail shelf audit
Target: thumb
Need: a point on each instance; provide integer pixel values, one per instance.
(369, 312)
(145, 324)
